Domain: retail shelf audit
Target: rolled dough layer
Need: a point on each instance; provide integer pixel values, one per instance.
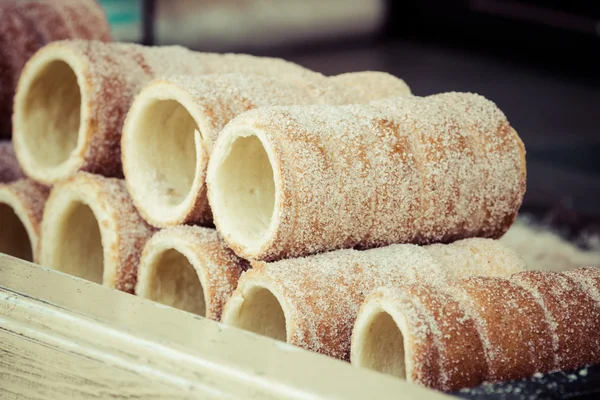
(478, 329)
(21, 208)
(92, 230)
(292, 181)
(173, 122)
(190, 268)
(312, 302)
(73, 96)
(26, 26)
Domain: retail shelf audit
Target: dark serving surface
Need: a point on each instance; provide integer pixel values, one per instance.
(579, 384)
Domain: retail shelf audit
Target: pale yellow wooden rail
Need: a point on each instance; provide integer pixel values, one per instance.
(64, 338)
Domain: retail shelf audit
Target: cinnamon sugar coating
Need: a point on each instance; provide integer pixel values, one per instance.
(214, 100)
(123, 233)
(216, 266)
(402, 170)
(111, 74)
(322, 293)
(27, 26)
(478, 329)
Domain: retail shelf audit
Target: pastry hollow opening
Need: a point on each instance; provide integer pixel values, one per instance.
(261, 313)
(14, 239)
(161, 155)
(78, 246)
(51, 115)
(383, 346)
(244, 191)
(173, 281)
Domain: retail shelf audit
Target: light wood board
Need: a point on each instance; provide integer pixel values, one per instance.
(65, 338)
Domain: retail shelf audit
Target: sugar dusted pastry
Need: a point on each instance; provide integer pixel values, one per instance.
(480, 329)
(312, 302)
(364, 86)
(165, 158)
(73, 96)
(190, 268)
(474, 255)
(26, 26)
(290, 181)
(9, 166)
(170, 130)
(21, 208)
(92, 230)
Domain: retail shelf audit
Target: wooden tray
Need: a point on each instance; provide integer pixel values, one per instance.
(62, 338)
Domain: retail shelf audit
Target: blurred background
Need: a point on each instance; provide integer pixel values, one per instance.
(534, 58)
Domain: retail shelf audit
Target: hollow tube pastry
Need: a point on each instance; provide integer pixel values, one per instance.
(364, 86)
(27, 26)
(190, 268)
(478, 329)
(21, 208)
(173, 122)
(291, 181)
(73, 96)
(91, 230)
(312, 301)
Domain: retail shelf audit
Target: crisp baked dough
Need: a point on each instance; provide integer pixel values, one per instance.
(311, 302)
(379, 341)
(190, 268)
(108, 76)
(246, 195)
(480, 329)
(257, 309)
(91, 230)
(27, 26)
(21, 208)
(51, 114)
(403, 170)
(164, 157)
(364, 86)
(173, 122)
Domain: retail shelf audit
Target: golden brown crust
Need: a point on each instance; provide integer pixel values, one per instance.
(212, 102)
(218, 268)
(494, 329)
(131, 230)
(28, 26)
(507, 316)
(111, 74)
(323, 292)
(15, 48)
(364, 86)
(121, 227)
(573, 310)
(332, 164)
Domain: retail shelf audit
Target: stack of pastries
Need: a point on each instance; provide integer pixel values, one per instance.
(341, 214)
